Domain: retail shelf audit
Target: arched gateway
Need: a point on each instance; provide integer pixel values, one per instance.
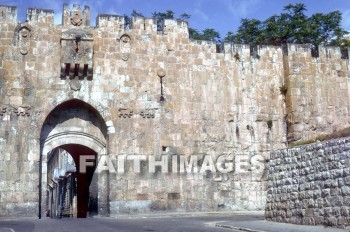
(75, 128)
(168, 97)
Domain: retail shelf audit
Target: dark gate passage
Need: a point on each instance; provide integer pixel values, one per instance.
(83, 179)
(73, 189)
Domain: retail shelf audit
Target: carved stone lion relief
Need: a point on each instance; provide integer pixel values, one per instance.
(3, 110)
(22, 110)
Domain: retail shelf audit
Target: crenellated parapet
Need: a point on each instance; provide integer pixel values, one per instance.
(8, 13)
(40, 16)
(78, 17)
(169, 36)
(142, 24)
(178, 27)
(110, 22)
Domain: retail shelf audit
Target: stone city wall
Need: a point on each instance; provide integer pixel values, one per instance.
(144, 91)
(317, 92)
(310, 184)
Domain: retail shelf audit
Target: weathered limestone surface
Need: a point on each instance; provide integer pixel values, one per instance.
(317, 96)
(140, 91)
(310, 185)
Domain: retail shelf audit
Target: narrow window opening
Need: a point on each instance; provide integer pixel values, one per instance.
(345, 54)
(269, 124)
(315, 52)
(218, 48)
(127, 22)
(159, 25)
(162, 98)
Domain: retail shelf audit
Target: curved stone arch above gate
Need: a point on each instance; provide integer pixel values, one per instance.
(79, 138)
(65, 138)
(102, 110)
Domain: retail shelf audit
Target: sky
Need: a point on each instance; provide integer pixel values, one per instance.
(222, 15)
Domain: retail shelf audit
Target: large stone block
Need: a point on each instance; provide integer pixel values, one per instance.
(321, 202)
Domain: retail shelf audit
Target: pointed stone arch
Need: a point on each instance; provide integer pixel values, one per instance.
(51, 104)
(73, 122)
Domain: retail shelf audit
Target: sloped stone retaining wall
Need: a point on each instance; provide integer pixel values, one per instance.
(310, 184)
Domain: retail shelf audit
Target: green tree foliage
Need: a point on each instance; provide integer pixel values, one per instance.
(210, 34)
(159, 16)
(136, 14)
(292, 26)
(249, 32)
(185, 17)
(206, 34)
(127, 18)
(230, 37)
(127, 22)
(194, 34)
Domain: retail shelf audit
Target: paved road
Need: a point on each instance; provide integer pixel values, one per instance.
(156, 224)
(215, 222)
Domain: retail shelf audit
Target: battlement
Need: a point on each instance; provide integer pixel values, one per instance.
(78, 17)
(175, 26)
(289, 50)
(305, 50)
(8, 13)
(110, 22)
(40, 15)
(145, 24)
